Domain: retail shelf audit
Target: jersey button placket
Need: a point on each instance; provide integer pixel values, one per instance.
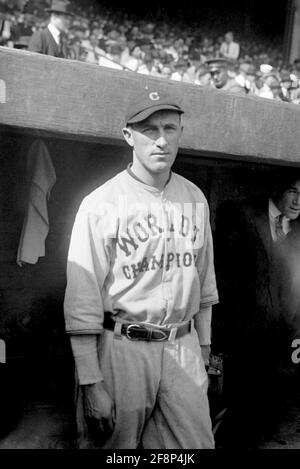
(167, 276)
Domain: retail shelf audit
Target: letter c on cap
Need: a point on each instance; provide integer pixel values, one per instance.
(154, 96)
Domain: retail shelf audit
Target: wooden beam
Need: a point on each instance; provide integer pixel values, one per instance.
(88, 102)
(295, 32)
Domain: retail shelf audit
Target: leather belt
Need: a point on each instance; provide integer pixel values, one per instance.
(138, 331)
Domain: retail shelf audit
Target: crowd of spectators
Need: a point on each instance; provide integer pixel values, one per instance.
(101, 35)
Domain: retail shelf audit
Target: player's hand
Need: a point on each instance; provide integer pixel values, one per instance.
(205, 349)
(99, 411)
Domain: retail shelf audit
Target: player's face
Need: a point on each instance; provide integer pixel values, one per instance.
(289, 202)
(155, 141)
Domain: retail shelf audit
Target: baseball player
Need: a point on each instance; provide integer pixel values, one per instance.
(139, 296)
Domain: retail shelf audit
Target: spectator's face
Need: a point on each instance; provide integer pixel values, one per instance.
(21, 4)
(149, 63)
(166, 72)
(196, 63)
(279, 63)
(137, 53)
(82, 55)
(180, 70)
(204, 80)
(94, 40)
(79, 34)
(62, 22)
(297, 66)
(274, 86)
(250, 78)
(219, 77)
(155, 141)
(178, 44)
(146, 48)
(95, 31)
(259, 82)
(286, 84)
(276, 90)
(228, 37)
(289, 202)
(113, 35)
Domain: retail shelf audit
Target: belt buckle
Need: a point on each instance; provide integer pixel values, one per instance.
(148, 337)
(133, 327)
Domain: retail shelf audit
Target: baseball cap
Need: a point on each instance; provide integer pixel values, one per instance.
(217, 64)
(266, 68)
(147, 102)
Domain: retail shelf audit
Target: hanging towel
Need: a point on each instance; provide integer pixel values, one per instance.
(41, 177)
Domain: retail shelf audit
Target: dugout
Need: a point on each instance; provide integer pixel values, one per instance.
(229, 146)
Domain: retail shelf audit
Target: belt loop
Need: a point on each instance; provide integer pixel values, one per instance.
(172, 335)
(118, 331)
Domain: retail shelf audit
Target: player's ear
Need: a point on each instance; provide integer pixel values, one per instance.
(127, 134)
(181, 126)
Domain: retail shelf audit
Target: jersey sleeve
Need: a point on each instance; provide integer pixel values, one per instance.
(87, 268)
(205, 266)
(202, 321)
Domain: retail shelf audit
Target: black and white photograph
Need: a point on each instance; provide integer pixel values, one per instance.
(150, 227)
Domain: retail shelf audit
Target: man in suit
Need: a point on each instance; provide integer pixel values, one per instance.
(229, 48)
(50, 41)
(5, 25)
(258, 258)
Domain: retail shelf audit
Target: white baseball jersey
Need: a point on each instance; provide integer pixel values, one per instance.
(141, 253)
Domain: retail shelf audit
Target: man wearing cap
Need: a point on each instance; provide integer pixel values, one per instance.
(220, 79)
(140, 290)
(148, 66)
(286, 85)
(50, 41)
(180, 73)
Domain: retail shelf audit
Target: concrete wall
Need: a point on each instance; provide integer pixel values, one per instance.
(87, 102)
